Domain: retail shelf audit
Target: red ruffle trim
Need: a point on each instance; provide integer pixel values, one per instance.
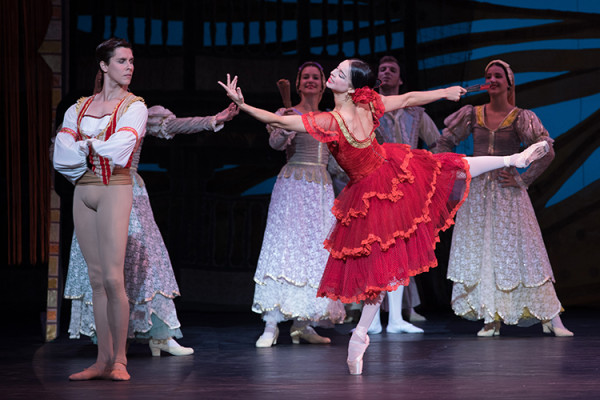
(362, 273)
(322, 126)
(372, 292)
(394, 196)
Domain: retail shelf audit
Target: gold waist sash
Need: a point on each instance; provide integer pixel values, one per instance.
(120, 176)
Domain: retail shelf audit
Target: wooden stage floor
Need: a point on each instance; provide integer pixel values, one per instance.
(447, 362)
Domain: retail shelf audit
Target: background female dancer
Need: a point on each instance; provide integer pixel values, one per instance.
(498, 261)
(149, 279)
(390, 213)
(292, 258)
(103, 131)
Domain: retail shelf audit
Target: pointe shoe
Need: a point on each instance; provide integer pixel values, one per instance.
(403, 327)
(308, 334)
(355, 366)
(266, 340)
(527, 156)
(548, 327)
(90, 373)
(489, 330)
(119, 372)
(169, 346)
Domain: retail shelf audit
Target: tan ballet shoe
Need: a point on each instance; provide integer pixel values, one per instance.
(309, 335)
(93, 372)
(548, 327)
(119, 372)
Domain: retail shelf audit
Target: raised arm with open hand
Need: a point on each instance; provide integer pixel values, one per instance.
(288, 122)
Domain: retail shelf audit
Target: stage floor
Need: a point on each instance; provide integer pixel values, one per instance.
(447, 362)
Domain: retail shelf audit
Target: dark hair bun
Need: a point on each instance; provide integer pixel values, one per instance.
(361, 74)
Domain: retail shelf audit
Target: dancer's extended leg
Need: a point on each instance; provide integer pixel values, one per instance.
(482, 164)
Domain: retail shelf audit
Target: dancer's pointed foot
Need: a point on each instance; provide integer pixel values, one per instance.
(96, 371)
(308, 334)
(527, 156)
(356, 350)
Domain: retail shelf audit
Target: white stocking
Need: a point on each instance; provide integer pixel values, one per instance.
(271, 318)
(482, 164)
(479, 165)
(360, 333)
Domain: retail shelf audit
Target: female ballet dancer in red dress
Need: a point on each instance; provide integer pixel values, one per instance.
(398, 199)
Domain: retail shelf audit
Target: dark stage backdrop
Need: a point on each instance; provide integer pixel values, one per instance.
(210, 192)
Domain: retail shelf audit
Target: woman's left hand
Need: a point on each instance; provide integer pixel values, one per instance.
(233, 92)
(507, 179)
(227, 114)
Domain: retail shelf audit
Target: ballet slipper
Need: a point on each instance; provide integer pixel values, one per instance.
(119, 372)
(92, 372)
(403, 327)
(527, 156)
(309, 335)
(559, 331)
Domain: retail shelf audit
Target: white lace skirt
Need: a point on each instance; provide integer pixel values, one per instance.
(498, 261)
(292, 257)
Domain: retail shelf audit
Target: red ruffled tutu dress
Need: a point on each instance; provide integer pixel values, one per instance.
(391, 212)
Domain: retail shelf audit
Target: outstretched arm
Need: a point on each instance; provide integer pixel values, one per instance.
(287, 122)
(227, 114)
(420, 98)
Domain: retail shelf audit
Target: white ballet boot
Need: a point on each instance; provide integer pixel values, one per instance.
(170, 346)
(397, 324)
(375, 327)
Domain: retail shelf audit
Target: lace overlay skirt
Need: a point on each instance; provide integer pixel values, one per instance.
(292, 257)
(498, 261)
(149, 280)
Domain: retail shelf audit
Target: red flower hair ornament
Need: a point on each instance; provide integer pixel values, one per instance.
(364, 95)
